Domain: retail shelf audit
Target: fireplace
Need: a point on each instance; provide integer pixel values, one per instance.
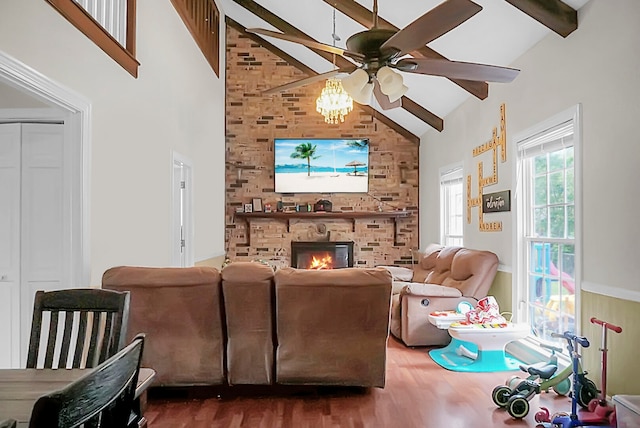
(321, 254)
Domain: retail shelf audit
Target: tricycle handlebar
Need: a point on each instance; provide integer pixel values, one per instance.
(551, 347)
(605, 324)
(580, 340)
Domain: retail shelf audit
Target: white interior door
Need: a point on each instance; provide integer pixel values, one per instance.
(10, 148)
(33, 224)
(182, 223)
(43, 216)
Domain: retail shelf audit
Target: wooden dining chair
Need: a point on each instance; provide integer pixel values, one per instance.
(103, 397)
(8, 423)
(77, 328)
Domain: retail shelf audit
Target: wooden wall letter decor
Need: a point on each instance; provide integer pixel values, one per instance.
(499, 140)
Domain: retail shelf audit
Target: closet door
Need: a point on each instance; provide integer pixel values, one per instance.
(9, 243)
(34, 219)
(44, 217)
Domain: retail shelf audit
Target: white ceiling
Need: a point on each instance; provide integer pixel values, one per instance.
(497, 35)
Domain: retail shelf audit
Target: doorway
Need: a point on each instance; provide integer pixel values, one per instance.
(64, 123)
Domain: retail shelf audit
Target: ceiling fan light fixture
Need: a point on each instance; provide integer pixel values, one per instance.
(363, 96)
(355, 82)
(390, 81)
(395, 96)
(334, 103)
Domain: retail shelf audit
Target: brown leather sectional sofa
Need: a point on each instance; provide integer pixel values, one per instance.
(247, 325)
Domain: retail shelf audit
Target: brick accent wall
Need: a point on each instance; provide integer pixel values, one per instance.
(252, 123)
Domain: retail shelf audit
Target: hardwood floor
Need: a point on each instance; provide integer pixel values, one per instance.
(418, 393)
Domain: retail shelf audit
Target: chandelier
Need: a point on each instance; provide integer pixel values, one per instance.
(334, 103)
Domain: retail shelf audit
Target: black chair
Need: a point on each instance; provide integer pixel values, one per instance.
(95, 327)
(8, 423)
(103, 397)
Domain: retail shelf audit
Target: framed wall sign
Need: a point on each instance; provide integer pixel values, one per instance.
(496, 202)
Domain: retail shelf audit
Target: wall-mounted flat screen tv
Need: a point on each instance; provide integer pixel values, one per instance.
(313, 165)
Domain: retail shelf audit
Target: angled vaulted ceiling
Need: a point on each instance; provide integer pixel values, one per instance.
(497, 35)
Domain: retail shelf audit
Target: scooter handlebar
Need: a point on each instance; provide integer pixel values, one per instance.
(605, 324)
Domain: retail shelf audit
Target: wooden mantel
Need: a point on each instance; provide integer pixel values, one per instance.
(323, 215)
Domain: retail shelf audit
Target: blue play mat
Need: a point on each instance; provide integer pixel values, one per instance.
(453, 357)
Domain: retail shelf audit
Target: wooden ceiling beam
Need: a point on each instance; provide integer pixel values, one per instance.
(364, 17)
(306, 69)
(553, 14)
(409, 105)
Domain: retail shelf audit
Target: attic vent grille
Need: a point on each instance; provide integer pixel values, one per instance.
(202, 18)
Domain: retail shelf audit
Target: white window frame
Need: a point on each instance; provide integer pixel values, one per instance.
(449, 176)
(520, 250)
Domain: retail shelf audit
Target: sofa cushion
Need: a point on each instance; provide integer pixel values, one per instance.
(399, 273)
(332, 326)
(247, 289)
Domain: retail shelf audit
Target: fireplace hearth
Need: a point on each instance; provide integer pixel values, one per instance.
(321, 254)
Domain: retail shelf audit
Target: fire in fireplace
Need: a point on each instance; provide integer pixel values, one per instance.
(321, 254)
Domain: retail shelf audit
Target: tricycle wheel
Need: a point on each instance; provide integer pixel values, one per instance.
(500, 395)
(518, 406)
(563, 387)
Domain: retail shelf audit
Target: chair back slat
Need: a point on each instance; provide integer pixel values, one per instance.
(107, 343)
(95, 324)
(51, 339)
(94, 342)
(102, 398)
(82, 333)
(66, 338)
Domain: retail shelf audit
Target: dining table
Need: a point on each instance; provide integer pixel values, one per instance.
(21, 388)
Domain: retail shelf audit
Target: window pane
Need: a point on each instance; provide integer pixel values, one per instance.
(556, 187)
(571, 222)
(569, 188)
(540, 164)
(540, 186)
(556, 160)
(556, 220)
(540, 222)
(568, 153)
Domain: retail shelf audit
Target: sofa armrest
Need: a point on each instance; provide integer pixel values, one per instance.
(430, 290)
(399, 273)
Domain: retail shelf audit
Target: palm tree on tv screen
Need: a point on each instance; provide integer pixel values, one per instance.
(358, 144)
(305, 151)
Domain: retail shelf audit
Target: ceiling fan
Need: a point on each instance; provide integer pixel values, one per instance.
(378, 51)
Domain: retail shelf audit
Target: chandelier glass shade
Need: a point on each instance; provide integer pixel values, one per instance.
(334, 103)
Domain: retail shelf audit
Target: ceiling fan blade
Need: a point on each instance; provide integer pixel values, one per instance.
(457, 69)
(307, 43)
(431, 25)
(308, 80)
(383, 100)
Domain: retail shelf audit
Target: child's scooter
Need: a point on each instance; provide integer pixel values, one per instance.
(599, 410)
(571, 420)
(516, 394)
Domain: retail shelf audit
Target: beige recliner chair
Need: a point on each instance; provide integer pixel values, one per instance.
(444, 277)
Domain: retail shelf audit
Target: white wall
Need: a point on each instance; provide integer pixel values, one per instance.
(176, 103)
(598, 66)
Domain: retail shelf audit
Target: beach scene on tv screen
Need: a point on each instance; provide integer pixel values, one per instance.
(321, 165)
